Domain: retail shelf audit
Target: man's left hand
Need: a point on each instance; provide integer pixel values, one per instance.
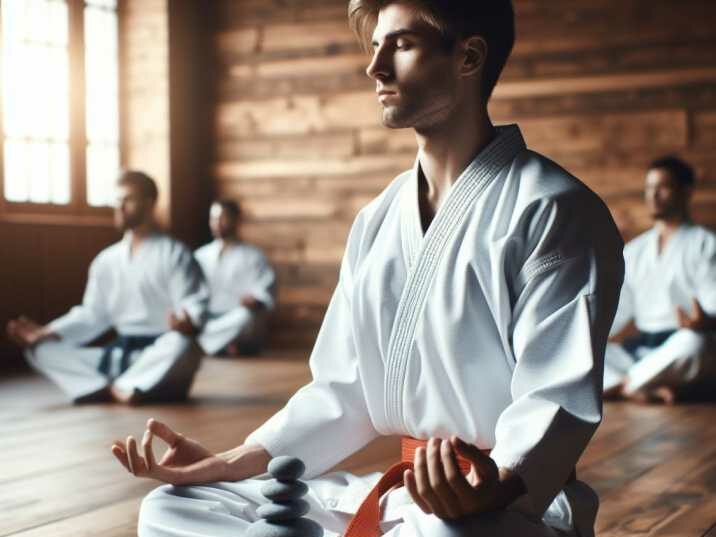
(249, 301)
(438, 487)
(182, 323)
(698, 320)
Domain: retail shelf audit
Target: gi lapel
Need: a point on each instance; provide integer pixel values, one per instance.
(466, 190)
(411, 232)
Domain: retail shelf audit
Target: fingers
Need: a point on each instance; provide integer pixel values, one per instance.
(438, 481)
(462, 490)
(137, 464)
(425, 488)
(163, 431)
(411, 486)
(120, 454)
(147, 448)
(696, 307)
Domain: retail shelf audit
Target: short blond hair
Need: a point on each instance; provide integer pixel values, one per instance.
(493, 20)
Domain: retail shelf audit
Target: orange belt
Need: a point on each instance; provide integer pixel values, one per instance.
(366, 521)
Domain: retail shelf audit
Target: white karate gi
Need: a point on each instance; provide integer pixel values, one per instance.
(491, 326)
(655, 284)
(133, 294)
(239, 270)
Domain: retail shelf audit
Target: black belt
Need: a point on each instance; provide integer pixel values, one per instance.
(127, 344)
(646, 339)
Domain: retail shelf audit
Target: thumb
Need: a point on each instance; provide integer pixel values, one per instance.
(697, 309)
(484, 466)
(163, 431)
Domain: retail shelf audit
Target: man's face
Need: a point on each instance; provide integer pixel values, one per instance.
(416, 78)
(664, 196)
(222, 222)
(132, 208)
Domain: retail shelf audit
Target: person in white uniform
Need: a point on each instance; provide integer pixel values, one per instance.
(669, 295)
(242, 286)
(150, 290)
(472, 312)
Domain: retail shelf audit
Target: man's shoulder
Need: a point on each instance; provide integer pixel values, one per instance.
(109, 254)
(542, 177)
(701, 238)
(251, 252)
(372, 215)
(205, 250)
(541, 182)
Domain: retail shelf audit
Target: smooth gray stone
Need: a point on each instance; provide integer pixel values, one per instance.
(286, 468)
(283, 511)
(281, 491)
(301, 527)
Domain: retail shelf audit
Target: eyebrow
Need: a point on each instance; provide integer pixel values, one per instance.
(396, 33)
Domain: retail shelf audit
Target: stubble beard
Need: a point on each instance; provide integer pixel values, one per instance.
(422, 112)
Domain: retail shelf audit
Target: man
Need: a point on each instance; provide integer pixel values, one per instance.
(241, 283)
(472, 312)
(669, 294)
(150, 290)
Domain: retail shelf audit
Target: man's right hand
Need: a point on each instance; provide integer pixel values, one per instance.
(26, 333)
(187, 462)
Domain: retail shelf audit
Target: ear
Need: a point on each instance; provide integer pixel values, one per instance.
(474, 53)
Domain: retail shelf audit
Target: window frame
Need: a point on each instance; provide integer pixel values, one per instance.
(78, 210)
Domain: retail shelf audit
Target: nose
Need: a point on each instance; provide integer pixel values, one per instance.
(379, 67)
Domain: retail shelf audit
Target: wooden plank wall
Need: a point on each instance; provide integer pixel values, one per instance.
(601, 86)
(43, 272)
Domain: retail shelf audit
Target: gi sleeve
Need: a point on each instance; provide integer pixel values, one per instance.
(263, 282)
(187, 287)
(560, 324)
(704, 279)
(327, 420)
(89, 320)
(625, 310)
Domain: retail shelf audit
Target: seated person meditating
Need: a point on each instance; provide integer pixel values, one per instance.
(669, 294)
(150, 290)
(471, 315)
(242, 286)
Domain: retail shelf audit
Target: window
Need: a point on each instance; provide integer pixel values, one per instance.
(60, 104)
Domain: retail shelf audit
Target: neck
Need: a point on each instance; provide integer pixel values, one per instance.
(142, 231)
(669, 224)
(445, 150)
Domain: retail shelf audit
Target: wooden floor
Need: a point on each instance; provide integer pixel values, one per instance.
(654, 467)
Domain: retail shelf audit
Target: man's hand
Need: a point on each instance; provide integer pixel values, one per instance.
(249, 301)
(438, 486)
(182, 323)
(698, 320)
(27, 333)
(185, 462)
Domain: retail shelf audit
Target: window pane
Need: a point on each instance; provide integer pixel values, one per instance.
(35, 100)
(102, 96)
(102, 169)
(17, 189)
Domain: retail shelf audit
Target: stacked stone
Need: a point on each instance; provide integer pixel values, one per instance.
(282, 516)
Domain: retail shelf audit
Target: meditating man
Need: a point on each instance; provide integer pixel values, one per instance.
(669, 294)
(241, 282)
(149, 288)
(471, 316)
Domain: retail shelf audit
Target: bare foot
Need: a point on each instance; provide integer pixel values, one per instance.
(614, 393)
(638, 396)
(664, 394)
(100, 396)
(123, 397)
